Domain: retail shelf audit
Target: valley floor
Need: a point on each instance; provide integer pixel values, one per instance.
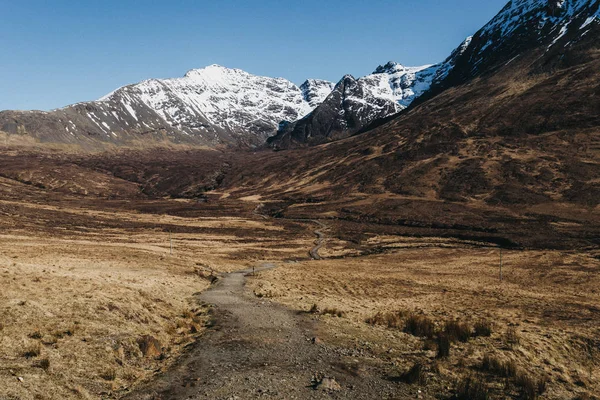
(543, 315)
(94, 305)
(96, 297)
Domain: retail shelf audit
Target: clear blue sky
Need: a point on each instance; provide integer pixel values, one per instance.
(54, 53)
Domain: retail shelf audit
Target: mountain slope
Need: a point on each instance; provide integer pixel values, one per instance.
(512, 152)
(550, 26)
(520, 26)
(355, 103)
(209, 106)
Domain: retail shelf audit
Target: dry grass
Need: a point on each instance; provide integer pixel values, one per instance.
(443, 346)
(530, 386)
(76, 303)
(392, 319)
(333, 312)
(542, 312)
(419, 325)
(32, 350)
(512, 337)
(483, 328)
(495, 365)
(44, 364)
(92, 283)
(415, 375)
(471, 388)
(109, 375)
(458, 331)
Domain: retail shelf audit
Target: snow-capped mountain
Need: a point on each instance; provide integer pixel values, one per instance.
(210, 106)
(521, 25)
(216, 98)
(316, 90)
(543, 18)
(355, 103)
(217, 105)
(552, 27)
(400, 84)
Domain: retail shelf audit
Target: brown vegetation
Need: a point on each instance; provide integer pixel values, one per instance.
(471, 387)
(419, 325)
(463, 318)
(91, 300)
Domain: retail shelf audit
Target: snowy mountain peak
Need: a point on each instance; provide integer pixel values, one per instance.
(215, 73)
(552, 26)
(347, 77)
(355, 103)
(396, 68)
(315, 91)
(542, 19)
(556, 12)
(389, 67)
(216, 99)
(211, 105)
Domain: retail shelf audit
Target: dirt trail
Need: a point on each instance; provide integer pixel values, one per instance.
(314, 252)
(258, 349)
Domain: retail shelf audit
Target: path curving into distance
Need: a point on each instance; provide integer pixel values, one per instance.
(259, 349)
(314, 252)
(319, 242)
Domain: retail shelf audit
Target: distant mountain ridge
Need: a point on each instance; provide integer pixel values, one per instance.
(356, 103)
(216, 106)
(209, 106)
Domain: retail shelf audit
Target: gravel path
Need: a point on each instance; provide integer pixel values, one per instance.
(258, 349)
(314, 252)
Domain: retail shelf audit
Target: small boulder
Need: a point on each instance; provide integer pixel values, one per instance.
(328, 384)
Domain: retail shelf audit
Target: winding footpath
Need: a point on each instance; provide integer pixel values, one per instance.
(258, 349)
(314, 252)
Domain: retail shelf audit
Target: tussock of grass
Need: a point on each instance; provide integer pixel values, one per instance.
(109, 375)
(314, 309)
(32, 350)
(419, 325)
(44, 364)
(483, 328)
(35, 335)
(443, 346)
(394, 319)
(416, 374)
(531, 386)
(458, 331)
(471, 388)
(334, 312)
(512, 337)
(499, 367)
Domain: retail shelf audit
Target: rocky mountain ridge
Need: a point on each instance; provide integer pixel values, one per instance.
(216, 106)
(209, 106)
(520, 26)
